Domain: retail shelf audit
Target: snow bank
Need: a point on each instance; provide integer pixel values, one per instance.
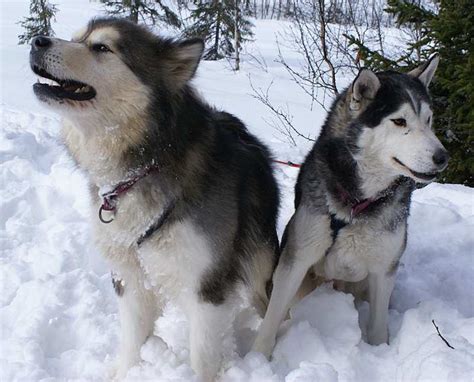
(59, 317)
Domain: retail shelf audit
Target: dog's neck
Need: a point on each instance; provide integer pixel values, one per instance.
(110, 154)
(99, 149)
(373, 180)
(373, 176)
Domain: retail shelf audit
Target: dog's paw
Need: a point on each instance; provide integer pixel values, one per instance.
(264, 346)
(377, 337)
(118, 369)
(114, 374)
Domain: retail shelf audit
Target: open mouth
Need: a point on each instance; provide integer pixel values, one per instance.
(61, 88)
(428, 176)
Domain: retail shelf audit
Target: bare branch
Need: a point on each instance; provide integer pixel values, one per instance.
(285, 124)
(439, 334)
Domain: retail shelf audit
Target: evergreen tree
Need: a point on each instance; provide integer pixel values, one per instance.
(222, 25)
(453, 37)
(450, 32)
(148, 11)
(39, 20)
(417, 19)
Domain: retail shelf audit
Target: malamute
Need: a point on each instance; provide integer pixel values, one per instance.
(184, 200)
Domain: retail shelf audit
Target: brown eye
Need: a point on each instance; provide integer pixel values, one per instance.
(100, 48)
(400, 122)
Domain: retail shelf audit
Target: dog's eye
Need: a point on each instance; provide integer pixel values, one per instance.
(100, 48)
(400, 122)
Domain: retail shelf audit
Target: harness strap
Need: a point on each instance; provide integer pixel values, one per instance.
(154, 227)
(336, 225)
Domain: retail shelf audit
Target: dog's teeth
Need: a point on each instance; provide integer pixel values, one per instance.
(77, 90)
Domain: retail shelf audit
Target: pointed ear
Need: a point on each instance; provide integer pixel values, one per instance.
(426, 71)
(184, 60)
(364, 87)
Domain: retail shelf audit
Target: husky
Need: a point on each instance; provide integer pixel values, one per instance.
(183, 197)
(352, 196)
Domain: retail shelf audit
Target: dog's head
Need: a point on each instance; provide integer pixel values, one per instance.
(394, 112)
(111, 69)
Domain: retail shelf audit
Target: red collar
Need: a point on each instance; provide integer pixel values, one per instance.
(109, 198)
(357, 206)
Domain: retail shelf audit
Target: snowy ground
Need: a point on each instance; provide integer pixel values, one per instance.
(58, 312)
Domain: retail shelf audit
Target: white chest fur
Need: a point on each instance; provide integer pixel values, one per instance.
(175, 259)
(360, 250)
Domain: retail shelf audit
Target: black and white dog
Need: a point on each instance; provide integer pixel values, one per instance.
(184, 200)
(353, 194)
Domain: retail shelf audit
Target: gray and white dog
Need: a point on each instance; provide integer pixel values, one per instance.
(353, 194)
(184, 202)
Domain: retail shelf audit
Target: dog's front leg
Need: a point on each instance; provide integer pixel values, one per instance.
(308, 240)
(138, 309)
(208, 325)
(380, 289)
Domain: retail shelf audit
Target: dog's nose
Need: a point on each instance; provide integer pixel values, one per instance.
(41, 42)
(441, 157)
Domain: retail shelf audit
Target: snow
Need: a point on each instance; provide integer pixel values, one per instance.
(58, 311)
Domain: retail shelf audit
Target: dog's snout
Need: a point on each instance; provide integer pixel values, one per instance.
(441, 157)
(41, 42)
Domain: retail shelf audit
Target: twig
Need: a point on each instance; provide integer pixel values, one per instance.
(439, 334)
(285, 119)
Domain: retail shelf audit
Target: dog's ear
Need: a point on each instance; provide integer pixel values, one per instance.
(184, 59)
(364, 87)
(426, 71)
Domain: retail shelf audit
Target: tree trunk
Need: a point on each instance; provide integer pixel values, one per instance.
(135, 4)
(237, 35)
(218, 27)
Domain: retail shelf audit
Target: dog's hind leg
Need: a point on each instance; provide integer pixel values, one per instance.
(308, 240)
(138, 308)
(380, 289)
(259, 274)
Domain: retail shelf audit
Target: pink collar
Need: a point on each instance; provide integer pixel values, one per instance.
(357, 206)
(109, 198)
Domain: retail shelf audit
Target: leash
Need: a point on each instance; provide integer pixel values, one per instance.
(109, 199)
(287, 163)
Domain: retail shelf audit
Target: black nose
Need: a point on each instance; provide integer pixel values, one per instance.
(440, 157)
(41, 42)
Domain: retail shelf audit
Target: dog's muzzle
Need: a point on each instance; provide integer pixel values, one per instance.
(55, 88)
